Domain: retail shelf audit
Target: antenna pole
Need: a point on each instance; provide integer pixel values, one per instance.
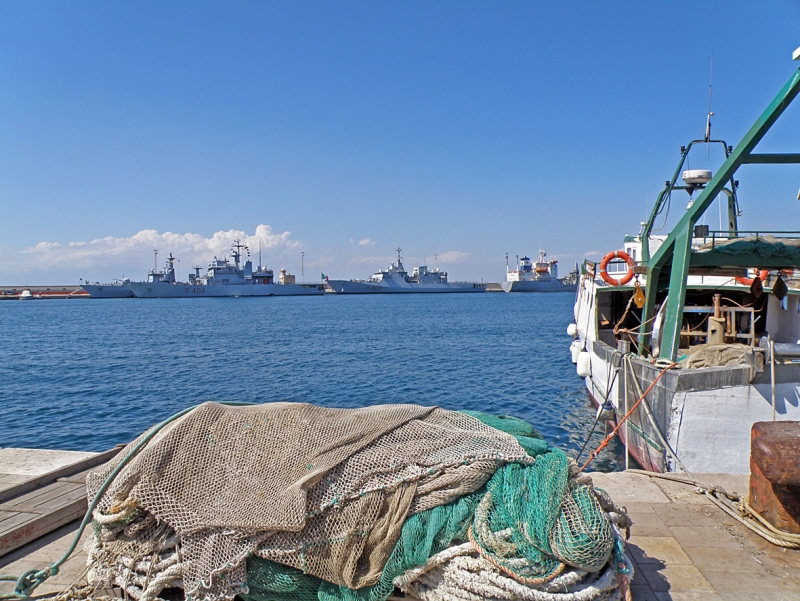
(708, 116)
(302, 267)
(155, 259)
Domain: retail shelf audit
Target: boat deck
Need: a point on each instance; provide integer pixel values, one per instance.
(683, 547)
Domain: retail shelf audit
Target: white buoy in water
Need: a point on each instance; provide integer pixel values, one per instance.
(572, 330)
(584, 368)
(574, 349)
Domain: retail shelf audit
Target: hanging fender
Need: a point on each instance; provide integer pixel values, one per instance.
(616, 254)
(762, 275)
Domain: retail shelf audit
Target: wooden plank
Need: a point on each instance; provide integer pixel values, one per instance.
(40, 505)
(12, 519)
(27, 527)
(28, 501)
(49, 497)
(79, 478)
(67, 496)
(66, 471)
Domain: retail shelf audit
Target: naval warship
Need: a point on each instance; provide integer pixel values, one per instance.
(222, 278)
(395, 279)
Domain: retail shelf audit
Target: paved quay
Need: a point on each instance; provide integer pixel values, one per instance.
(683, 547)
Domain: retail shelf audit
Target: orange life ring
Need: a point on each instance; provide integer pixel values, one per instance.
(762, 275)
(616, 254)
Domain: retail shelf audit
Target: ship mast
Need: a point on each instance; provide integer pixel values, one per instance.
(236, 251)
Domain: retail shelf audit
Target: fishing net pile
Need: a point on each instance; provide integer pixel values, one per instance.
(717, 355)
(294, 502)
(765, 246)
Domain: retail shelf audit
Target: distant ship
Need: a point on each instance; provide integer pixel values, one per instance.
(395, 279)
(541, 276)
(222, 278)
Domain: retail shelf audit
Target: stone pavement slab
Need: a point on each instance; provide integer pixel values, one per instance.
(629, 490)
(685, 548)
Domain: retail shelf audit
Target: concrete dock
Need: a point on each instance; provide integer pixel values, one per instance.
(683, 547)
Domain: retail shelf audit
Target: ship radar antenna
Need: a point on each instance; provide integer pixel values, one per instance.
(506, 262)
(710, 112)
(399, 253)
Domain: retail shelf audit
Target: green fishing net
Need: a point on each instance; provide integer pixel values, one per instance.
(529, 520)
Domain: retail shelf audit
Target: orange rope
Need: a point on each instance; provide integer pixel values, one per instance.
(608, 438)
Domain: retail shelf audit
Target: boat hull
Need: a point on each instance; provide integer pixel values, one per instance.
(553, 285)
(393, 287)
(107, 290)
(705, 414)
(164, 290)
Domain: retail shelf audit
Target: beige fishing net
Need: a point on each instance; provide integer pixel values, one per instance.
(322, 490)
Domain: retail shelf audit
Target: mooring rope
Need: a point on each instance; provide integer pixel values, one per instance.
(736, 507)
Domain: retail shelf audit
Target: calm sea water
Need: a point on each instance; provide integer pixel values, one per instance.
(89, 374)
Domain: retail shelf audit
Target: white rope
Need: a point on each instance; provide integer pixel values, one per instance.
(470, 578)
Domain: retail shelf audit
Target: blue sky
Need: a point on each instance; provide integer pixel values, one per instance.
(346, 129)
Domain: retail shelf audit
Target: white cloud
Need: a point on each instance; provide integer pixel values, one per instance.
(371, 260)
(592, 253)
(453, 256)
(112, 255)
(366, 242)
(322, 261)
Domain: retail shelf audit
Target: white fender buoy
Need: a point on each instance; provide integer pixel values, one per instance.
(572, 330)
(583, 368)
(574, 349)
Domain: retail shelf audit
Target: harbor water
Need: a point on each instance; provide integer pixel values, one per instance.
(89, 374)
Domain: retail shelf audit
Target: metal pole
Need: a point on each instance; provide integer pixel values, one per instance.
(627, 430)
(302, 267)
(772, 374)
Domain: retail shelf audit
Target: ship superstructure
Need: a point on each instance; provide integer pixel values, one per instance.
(541, 276)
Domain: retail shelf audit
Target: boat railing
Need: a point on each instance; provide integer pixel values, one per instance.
(713, 236)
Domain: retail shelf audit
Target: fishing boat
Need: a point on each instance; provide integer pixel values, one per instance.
(695, 335)
(541, 276)
(396, 280)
